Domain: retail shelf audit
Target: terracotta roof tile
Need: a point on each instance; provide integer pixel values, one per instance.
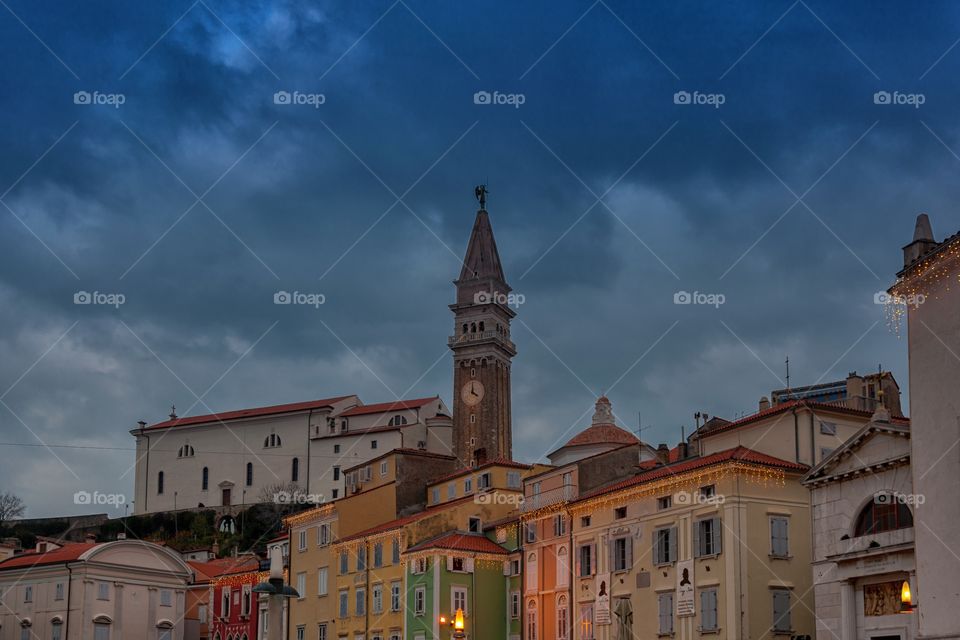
(602, 434)
(460, 541)
(786, 406)
(67, 553)
(248, 413)
(396, 405)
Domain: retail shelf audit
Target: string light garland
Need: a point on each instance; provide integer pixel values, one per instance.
(242, 579)
(309, 516)
(921, 280)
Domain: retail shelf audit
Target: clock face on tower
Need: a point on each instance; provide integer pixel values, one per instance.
(472, 393)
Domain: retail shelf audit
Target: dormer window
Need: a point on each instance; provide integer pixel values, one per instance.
(397, 421)
(186, 451)
(272, 441)
(343, 425)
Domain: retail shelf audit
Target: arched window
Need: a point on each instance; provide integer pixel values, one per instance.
(473, 327)
(271, 441)
(464, 327)
(205, 479)
(885, 512)
(249, 474)
(397, 420)
(532, 620)
(481, 326)
(186, 451)
(295, 470)
(160, 483)
(563, 618)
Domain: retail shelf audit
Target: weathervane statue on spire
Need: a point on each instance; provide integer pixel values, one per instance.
(481, 193)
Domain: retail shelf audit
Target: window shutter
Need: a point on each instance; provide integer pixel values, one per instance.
(697, 551)
(611, 555)
(468, 565)
(715, 534)
(449, 563)
(531, 571)
(657, 555)
(629, 553)
(579, 561)
(506, 568)
(673, 544)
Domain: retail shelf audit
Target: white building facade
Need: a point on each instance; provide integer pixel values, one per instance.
(246, 456)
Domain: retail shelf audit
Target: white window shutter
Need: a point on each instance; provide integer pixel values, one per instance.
(696, 539)
(629, 553)
(506, 568)
(715, 533)
(673, 544)
(468, 565)
(449, 563)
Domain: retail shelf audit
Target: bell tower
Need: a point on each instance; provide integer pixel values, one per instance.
(482, 349)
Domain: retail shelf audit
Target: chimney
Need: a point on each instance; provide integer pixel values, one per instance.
(764, 403)
(663, 453)
(922, 241)
(684, 451)
(142, 424)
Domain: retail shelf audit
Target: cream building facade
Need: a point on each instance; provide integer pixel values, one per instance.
(90, 591)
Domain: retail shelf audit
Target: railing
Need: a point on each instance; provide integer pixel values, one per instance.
(465, 338)
(547, 498)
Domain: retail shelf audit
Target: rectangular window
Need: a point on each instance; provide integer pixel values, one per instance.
(301, 632)
(103, 591)
(586, 622)
(361, 558)
(779, 537)
(394, 596)
(344, 563)
(584, 522)
(334, 493)
(246, 602)
(322, 578)
(781, 610)
(665, 545)
(708, 610)
(322, 631)
(336, 473)
(395, 552)
(451, 491)
(302, 584)
(202, 613)
(665, 609)
(166, 598)
(586, 560)
(302, 540)
(58, 591)
(377, 597)
(515, 605)
(474, 525)
(378, 555)
(483, 482)
(225, 603)
(468, 485)
(419, 601)
(513, 479)
(531, 531)
(101, 631)
(344, 600)
(622, 552)
(456, 564)
(384, 467)
(828, 428)
(706, 535)
(559, 525)
(664, 503)
(708, 491)
(620, 513)
(360, 607)
(435, 498)
(458, 599)
(825, 452)
(323, 535)
(373, 444)
(56, 633)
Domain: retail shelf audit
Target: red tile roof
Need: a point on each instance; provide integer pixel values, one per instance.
(400, 522)
(206, 571)
(786, 406)
(248, 413)
(460, 541)
(396, 405)
(741, 454)
(67, 553)
(498, 462)
(602, 434)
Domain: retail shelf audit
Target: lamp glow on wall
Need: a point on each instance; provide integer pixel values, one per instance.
(906, 598)
(458, 632)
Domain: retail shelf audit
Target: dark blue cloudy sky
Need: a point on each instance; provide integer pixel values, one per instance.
(199, 197)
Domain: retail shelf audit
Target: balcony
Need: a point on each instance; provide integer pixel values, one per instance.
(548, 498)
(480, 336)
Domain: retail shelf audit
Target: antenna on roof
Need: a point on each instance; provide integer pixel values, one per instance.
(788, 372)
(173, 412)
(640, 427)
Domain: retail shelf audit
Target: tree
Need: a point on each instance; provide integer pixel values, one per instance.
(11, 507)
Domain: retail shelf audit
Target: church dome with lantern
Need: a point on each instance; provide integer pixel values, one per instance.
(602, 435)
